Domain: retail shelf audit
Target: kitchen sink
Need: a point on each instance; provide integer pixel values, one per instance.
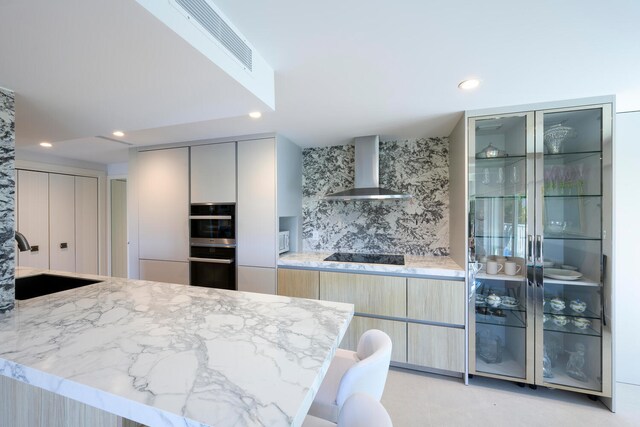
(45, 284)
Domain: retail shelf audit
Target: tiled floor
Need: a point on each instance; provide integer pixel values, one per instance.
(418, 399)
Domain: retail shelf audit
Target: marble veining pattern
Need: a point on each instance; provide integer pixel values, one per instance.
(419, 226)
(415, 265)
(7, 195)
(168, 355)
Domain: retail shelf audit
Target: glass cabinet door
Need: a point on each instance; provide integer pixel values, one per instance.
(569, 218)
(498, 177)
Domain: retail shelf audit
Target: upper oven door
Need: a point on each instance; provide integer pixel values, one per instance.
(213, 224)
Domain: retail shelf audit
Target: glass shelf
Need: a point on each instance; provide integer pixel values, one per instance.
(577, 196)
(570, 313)
(502, 277)
(581, 282)
(509, 196)
(570, 329)
(514, 319)
(583, 154)
(568, 237)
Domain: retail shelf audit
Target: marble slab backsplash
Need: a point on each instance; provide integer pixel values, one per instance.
(7, 195)
(418, 226)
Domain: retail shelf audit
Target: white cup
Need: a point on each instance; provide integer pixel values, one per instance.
(511, 268)
(494, 267)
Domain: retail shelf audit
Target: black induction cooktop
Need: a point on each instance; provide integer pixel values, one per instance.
(367, 258)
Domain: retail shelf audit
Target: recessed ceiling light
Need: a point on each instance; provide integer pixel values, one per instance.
(255, 114)
(118, 133)
(469, 84)
(46, 144)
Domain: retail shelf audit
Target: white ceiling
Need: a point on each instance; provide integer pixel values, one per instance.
(343, 68)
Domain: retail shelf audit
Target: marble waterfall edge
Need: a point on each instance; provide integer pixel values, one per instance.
(7, 195)
(418, 226)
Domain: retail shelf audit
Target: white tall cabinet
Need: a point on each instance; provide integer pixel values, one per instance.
(256, 217)
(163, 214)
(58, 214)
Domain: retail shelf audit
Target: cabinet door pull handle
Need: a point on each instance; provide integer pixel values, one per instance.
(35, 248)
(530, 248)
(64, 245)
(539, 249)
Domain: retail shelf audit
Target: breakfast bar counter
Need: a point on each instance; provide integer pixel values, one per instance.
(414, 266)
(166, 355)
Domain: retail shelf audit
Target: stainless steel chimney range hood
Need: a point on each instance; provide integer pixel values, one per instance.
(367, 185)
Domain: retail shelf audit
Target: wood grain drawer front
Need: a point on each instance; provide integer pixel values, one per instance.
(299, 283)
(436, 347)
(397, 331)
(436, 300)
(381, 295)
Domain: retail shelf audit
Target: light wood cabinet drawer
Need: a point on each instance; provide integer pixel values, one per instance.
(380, 295)
(436, 300)
(397, 331)
(299, 283)
(436, 347)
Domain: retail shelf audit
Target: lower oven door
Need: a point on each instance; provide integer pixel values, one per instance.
(213, 270)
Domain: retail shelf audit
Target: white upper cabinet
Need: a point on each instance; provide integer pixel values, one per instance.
(33, 211)
(163, 224)
(213, 173)
(86, 225)
(256, 212)
(62, 251)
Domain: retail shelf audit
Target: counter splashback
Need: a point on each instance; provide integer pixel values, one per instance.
(417, 226)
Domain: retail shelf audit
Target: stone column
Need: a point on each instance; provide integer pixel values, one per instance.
(7, 200)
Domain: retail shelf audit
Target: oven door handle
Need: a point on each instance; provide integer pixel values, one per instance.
(210, 217)
(212, 260)
(212, 245)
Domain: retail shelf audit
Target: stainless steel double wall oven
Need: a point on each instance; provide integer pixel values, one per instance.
(212, 260)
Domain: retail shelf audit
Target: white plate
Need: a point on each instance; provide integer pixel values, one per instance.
(560, 274)
(505, 305)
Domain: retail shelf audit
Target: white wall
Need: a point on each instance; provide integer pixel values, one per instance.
(627, 238)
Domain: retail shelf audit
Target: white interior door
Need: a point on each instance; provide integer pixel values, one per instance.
(86, 224)
(119, 246)
(62, 247)
(33, 217)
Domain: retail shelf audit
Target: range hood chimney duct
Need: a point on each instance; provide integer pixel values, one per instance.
(367, 174)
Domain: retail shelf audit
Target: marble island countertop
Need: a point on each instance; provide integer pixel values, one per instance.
(427, 266)
(164, 354)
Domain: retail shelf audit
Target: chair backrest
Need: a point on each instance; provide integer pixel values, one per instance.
(362, 410)
(369, 374)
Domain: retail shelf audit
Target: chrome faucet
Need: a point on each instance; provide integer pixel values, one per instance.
(23, 244)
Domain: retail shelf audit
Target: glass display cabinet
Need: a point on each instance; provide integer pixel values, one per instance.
(539, 247)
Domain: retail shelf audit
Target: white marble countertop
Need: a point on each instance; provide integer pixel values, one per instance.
(428, 266)
(167, 355)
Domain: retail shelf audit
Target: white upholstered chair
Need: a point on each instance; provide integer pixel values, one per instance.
(350, 372)
(359, 410)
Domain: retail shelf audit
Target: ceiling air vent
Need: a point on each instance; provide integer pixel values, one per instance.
(201, 12)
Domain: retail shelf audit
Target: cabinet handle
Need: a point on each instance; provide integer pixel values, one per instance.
(35, 248)
(212, 260)
(530, 248)
(63, 245)
(539, 249)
